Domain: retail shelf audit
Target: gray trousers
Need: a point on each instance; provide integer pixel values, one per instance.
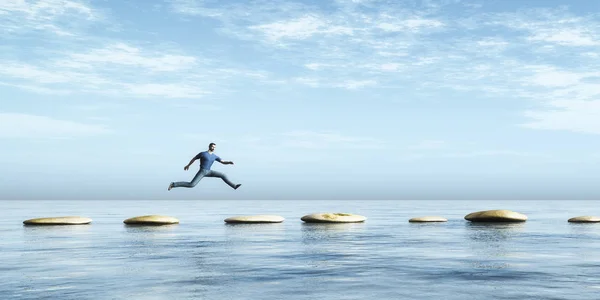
(201, 174)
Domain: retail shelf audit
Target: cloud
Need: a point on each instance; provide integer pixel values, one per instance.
(569, 37)
(348, 45)
(117, 69)
(165, 90)
(300, 28)
(550, 77)
(191, 7)
(356, 84)
(407, 25)
(552, 26)
(36, 89)
(16, 125)
(123, 54)
(349, 84)
(60, 17)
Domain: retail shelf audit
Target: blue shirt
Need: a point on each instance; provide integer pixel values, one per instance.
(207, 159)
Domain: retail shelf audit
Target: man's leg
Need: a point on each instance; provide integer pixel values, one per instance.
(192, 183)
(212, 173)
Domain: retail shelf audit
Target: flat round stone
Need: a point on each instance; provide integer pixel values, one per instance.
(151, 220)
(255, 219)
(70, 220)
(497, 215)
(333, 218)
(585, 219)
(427, 219)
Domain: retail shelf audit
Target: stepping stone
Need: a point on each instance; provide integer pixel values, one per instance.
(254, 219)
(427, 219)
(71, 220)
(585, 219)
(498, 215)
(151, 220)
(333, 218)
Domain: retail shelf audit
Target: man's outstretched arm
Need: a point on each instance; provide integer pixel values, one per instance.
(191, 162)
(225, 162)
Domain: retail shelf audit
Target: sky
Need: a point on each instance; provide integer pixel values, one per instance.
(343, 99)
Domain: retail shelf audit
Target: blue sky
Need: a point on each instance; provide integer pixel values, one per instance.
(348, 99)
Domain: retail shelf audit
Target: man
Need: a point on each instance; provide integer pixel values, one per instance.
(207, 158)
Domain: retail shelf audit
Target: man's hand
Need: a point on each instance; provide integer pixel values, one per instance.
(186, 168)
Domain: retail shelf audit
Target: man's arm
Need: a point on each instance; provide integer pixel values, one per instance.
(225, 162)
(191, 162)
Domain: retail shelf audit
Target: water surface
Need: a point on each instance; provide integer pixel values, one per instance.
(386, 257)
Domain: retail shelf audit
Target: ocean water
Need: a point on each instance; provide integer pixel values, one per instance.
(384, 258)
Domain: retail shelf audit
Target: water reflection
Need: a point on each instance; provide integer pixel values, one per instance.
(35, 229)
(324, 231)
(149, 236)
(584, 230)
(493, 243)
(143, 228)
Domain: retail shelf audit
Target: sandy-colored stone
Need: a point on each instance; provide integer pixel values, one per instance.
(255, 219)
(498, 215)
(151, 220)
(428, 219)
(69, 220)
(585, 219)
(333, 218)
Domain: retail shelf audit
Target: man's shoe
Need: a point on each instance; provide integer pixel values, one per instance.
(237, 186)
(170, 186)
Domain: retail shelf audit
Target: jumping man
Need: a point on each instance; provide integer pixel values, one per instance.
(207, 158)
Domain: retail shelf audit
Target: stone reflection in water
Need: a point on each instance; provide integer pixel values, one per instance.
(493, 243)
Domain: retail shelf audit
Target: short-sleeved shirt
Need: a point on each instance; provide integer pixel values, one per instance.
(207, 159)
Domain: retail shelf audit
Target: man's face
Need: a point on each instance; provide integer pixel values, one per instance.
(211, 147)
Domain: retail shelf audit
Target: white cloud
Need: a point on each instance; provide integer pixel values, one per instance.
(119, 69)
(356, 84)
(332, 83)
(389, 67)
(492, 42)
(312, 82)
(37, 89)
(33, 73)
(408, 25)
(550, 77)
(553, 26)
(165, 90)
(45, 15)
(567, 37)
(300, 28)
(315, 66)
(16, 125)
(124, 54)
(191, 7)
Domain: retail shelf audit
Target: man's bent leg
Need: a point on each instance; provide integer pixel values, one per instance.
(212, 173)
(192, 183)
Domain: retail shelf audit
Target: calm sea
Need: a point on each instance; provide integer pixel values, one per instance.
(384, 258)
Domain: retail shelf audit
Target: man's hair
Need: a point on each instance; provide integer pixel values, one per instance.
(211, 144)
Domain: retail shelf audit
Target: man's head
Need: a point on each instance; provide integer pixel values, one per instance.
(211, 146)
